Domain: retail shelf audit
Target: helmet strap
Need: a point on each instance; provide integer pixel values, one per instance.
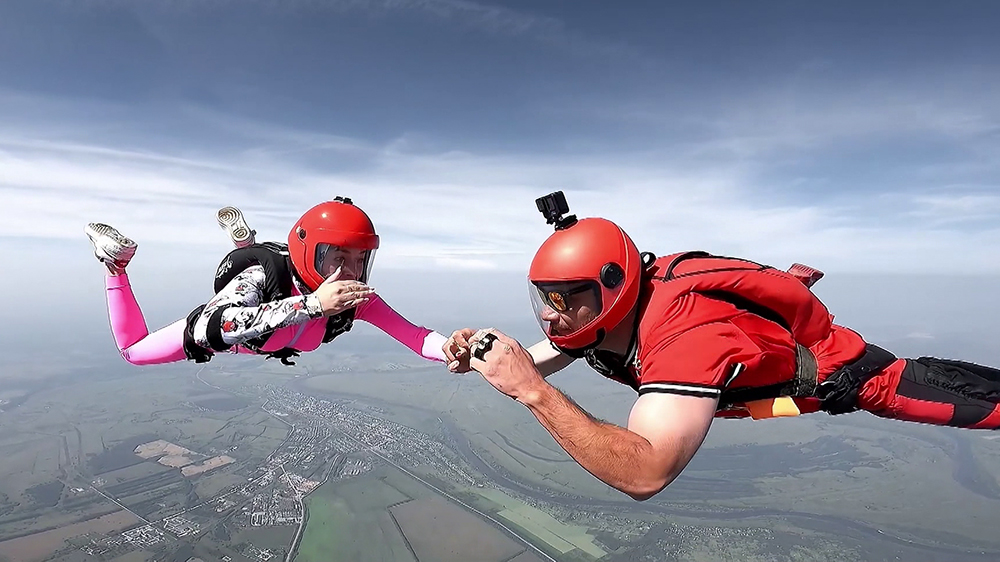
(581, 352)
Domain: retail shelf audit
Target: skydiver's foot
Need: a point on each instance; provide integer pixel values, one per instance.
(231, 220)
(111, 247)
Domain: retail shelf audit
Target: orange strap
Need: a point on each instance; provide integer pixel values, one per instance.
(773, 408)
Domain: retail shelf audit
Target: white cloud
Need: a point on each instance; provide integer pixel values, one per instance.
(787, 115)
(449, 262)
(446, 209)
(955, 207)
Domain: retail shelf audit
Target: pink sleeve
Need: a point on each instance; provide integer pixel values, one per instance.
(422, 341)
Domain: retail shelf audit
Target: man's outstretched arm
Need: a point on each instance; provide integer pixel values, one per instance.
(664, 432)
(548, 359)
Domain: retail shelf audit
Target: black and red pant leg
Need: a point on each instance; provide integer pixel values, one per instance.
(936, 391)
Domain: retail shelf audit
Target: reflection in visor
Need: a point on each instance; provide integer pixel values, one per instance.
(321, 251)
(565, 308)
(559, 300)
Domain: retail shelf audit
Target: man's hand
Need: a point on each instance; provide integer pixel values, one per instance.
(506, 365)
(456, 350)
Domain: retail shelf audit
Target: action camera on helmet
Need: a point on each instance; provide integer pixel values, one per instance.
(553, 206)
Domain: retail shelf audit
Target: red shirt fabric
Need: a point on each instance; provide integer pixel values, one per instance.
(697, 345)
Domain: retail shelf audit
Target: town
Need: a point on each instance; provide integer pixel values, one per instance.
(327, 440)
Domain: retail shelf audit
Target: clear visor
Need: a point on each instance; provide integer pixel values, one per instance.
(564, 308)
(354, 264)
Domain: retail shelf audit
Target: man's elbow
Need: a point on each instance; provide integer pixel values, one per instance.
(643, 494)
(653, 483)
(642, 491)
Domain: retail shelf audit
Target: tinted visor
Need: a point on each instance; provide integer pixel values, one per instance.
(354, 263)
(564, 308)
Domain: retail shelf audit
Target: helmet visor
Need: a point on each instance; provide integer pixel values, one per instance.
(353, 263)
(566, 307)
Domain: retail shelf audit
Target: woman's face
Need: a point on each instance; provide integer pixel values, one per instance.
(351, 261)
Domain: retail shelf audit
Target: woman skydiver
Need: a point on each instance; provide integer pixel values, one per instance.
(270, 299)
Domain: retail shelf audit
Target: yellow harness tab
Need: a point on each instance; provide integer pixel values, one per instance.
(780, 407)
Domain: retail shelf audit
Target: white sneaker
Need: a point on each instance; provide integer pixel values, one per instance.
(110, 246)
(231, 220)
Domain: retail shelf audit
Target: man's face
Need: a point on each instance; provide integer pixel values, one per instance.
(568, 307)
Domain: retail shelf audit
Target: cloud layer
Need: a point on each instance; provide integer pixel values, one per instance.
(777, 140)
(459, 209)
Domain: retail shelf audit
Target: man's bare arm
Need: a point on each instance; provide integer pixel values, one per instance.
(548, 359)
(665, 431)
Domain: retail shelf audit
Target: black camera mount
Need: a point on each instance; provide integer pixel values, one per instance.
(553, 206)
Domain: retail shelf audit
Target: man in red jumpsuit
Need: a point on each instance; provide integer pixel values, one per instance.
(698, 337)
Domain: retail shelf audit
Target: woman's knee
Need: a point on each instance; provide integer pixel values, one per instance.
(138, 358)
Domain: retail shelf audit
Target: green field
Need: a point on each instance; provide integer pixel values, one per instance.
(349, 521)
(392, 517)
(559, 536)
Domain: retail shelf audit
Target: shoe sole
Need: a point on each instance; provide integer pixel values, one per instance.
(231, 220)
(109, 242)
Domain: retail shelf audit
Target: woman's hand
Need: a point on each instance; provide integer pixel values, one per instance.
(336, 296)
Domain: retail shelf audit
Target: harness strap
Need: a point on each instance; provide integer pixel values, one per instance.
(838, 394)
(804, 383)
(806, 373)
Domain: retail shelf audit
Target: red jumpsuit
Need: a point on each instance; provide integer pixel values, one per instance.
(702, 341)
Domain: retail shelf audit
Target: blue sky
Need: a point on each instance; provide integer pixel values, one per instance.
(780, 131)
(849, 135)
(852, 136)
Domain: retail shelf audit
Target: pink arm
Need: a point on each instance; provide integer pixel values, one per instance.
(422, 341)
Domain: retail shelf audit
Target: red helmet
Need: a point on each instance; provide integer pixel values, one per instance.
(591, 255)
(333, 224)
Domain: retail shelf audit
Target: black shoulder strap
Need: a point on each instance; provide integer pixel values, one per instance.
(273, 257)
(192, 350)
(339, 324)
(734, 299)
(669, 273)
(698, 254)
